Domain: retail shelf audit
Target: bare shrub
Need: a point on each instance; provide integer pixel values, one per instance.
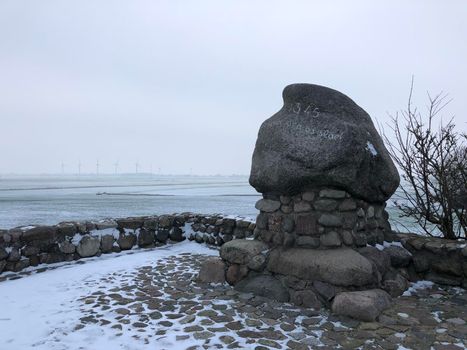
(433, 161)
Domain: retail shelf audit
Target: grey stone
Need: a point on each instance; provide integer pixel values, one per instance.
(400, 257)
(379, 257)
(240, 251)
(130, 223)
(2, 265)
(331, 239)
(325, 290)
(88, 246)
(145, 237)
(67, 247)
(370, 213)
(262, 221)
(105, 224)
(257, 263)
(363, 305)
(3, 254)
(330, 193)
(308, 196)
(347, 237)
(236, 273)
(330, 220)
(308, 242)
(176, 234)
(212, 271)
(348, 205)
(39, 233)
(301, 207)
(285, 199)
(305, 298)
(162, 235)
(14, 255)
(325, 205)
(320, 136)
(396, 285)
(107, 242)
(126, 241)
(264, 285)
(288, 224)
(67, 229)
(340, 267)
(268, 205)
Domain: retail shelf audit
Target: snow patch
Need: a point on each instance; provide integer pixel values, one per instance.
(418, 286)
(371, 148)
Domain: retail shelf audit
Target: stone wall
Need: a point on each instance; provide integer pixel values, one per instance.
(321, 218)
(435, 259)
(22, 247)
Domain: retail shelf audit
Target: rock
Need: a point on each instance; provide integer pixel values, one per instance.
(305, 298)
(257, 263)
(3, 254)
(325, 290)
(105, 224)
(379, 257)
(67, 229)
(176, 234)
(88, 246)
(362, 305)
(268, 205)
(308, 242)
(301, 207)
(396, 285)
(2, 265)
(265, 286)
(330, 220)
(325, 205)
(107, 242)
(340, 267)
(145, 237)
(14, 255)
(330, 193)
(400, 257)
(240, 251)
(331, 239)
(39, 233)
(348, 205)
(320, 136)
(126, 241)
(236, 273)
(130, 223)
(288, 224)
(66, 247)
(212, 271)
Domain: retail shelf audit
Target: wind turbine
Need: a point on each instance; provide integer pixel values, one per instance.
(97, 167)
(79, 167)
(136, 166)
(63, 168)
(116, 167)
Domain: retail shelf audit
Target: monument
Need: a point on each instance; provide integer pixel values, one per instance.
(325, 176)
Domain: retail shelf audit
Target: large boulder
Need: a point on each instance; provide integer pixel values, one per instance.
(321, 137)
(241, 251)
(339, 267)
(212, 271)
(88, 246)
(364, 305)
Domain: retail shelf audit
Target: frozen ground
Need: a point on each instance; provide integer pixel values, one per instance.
(150, 299)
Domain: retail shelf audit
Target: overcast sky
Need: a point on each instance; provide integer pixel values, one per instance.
(186, 84)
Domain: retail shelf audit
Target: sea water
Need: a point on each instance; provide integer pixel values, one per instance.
(50, 199)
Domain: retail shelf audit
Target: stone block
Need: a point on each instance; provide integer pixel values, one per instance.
(363, 305)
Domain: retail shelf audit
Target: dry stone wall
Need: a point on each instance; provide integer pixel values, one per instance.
(26, 246)
(321, 218)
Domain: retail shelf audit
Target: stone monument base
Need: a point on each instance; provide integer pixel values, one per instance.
(356, 282)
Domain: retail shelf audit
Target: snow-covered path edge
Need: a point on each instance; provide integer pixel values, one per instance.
(34, 307)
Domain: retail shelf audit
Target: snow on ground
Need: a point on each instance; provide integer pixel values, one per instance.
(38, 308)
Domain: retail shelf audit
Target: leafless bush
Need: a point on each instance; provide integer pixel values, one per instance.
(433, 161)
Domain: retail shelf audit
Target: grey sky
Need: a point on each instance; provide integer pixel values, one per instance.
(185, 84)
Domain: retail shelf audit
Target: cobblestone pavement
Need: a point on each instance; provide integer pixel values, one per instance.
(164, 303)
(162, 306)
